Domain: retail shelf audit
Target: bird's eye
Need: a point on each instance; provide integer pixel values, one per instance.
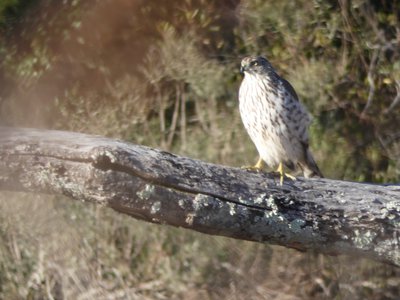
(254, 63)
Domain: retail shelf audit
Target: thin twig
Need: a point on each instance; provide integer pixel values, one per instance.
(396, 99)
(370, 77)
(172, 128)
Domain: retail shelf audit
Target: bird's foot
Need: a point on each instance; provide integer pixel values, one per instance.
(282, 174)
(257, 167)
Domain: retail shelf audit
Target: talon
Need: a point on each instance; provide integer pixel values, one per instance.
(290, 176)
(282, 174)
(257, 167)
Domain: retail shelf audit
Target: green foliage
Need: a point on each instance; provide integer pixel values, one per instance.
(5, 6)
(331, 53)
(165, 74)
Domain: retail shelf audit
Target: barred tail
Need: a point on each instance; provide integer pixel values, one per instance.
(309, 166)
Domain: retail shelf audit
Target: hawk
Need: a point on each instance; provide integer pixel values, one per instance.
(275, 120)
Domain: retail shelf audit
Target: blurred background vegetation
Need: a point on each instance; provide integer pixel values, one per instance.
(165, 74)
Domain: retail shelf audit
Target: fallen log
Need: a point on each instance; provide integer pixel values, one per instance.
(329, 216)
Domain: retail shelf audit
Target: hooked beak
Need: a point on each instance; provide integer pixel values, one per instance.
(242, 69)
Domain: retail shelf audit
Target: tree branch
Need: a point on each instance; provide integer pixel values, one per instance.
(328, 216)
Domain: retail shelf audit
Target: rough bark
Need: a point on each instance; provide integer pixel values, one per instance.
(328, 216)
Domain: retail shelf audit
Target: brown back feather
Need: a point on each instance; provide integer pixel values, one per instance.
(290, 89)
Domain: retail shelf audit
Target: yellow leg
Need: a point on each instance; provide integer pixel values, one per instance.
(257, 167)
(283, 174)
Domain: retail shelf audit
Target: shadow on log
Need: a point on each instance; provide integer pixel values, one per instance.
(328, 216)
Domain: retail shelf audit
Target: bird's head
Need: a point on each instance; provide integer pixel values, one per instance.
(255, 65)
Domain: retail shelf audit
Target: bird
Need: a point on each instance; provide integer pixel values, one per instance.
(275, 119)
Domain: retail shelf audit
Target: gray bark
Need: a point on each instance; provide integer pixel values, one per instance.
(329, 216)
